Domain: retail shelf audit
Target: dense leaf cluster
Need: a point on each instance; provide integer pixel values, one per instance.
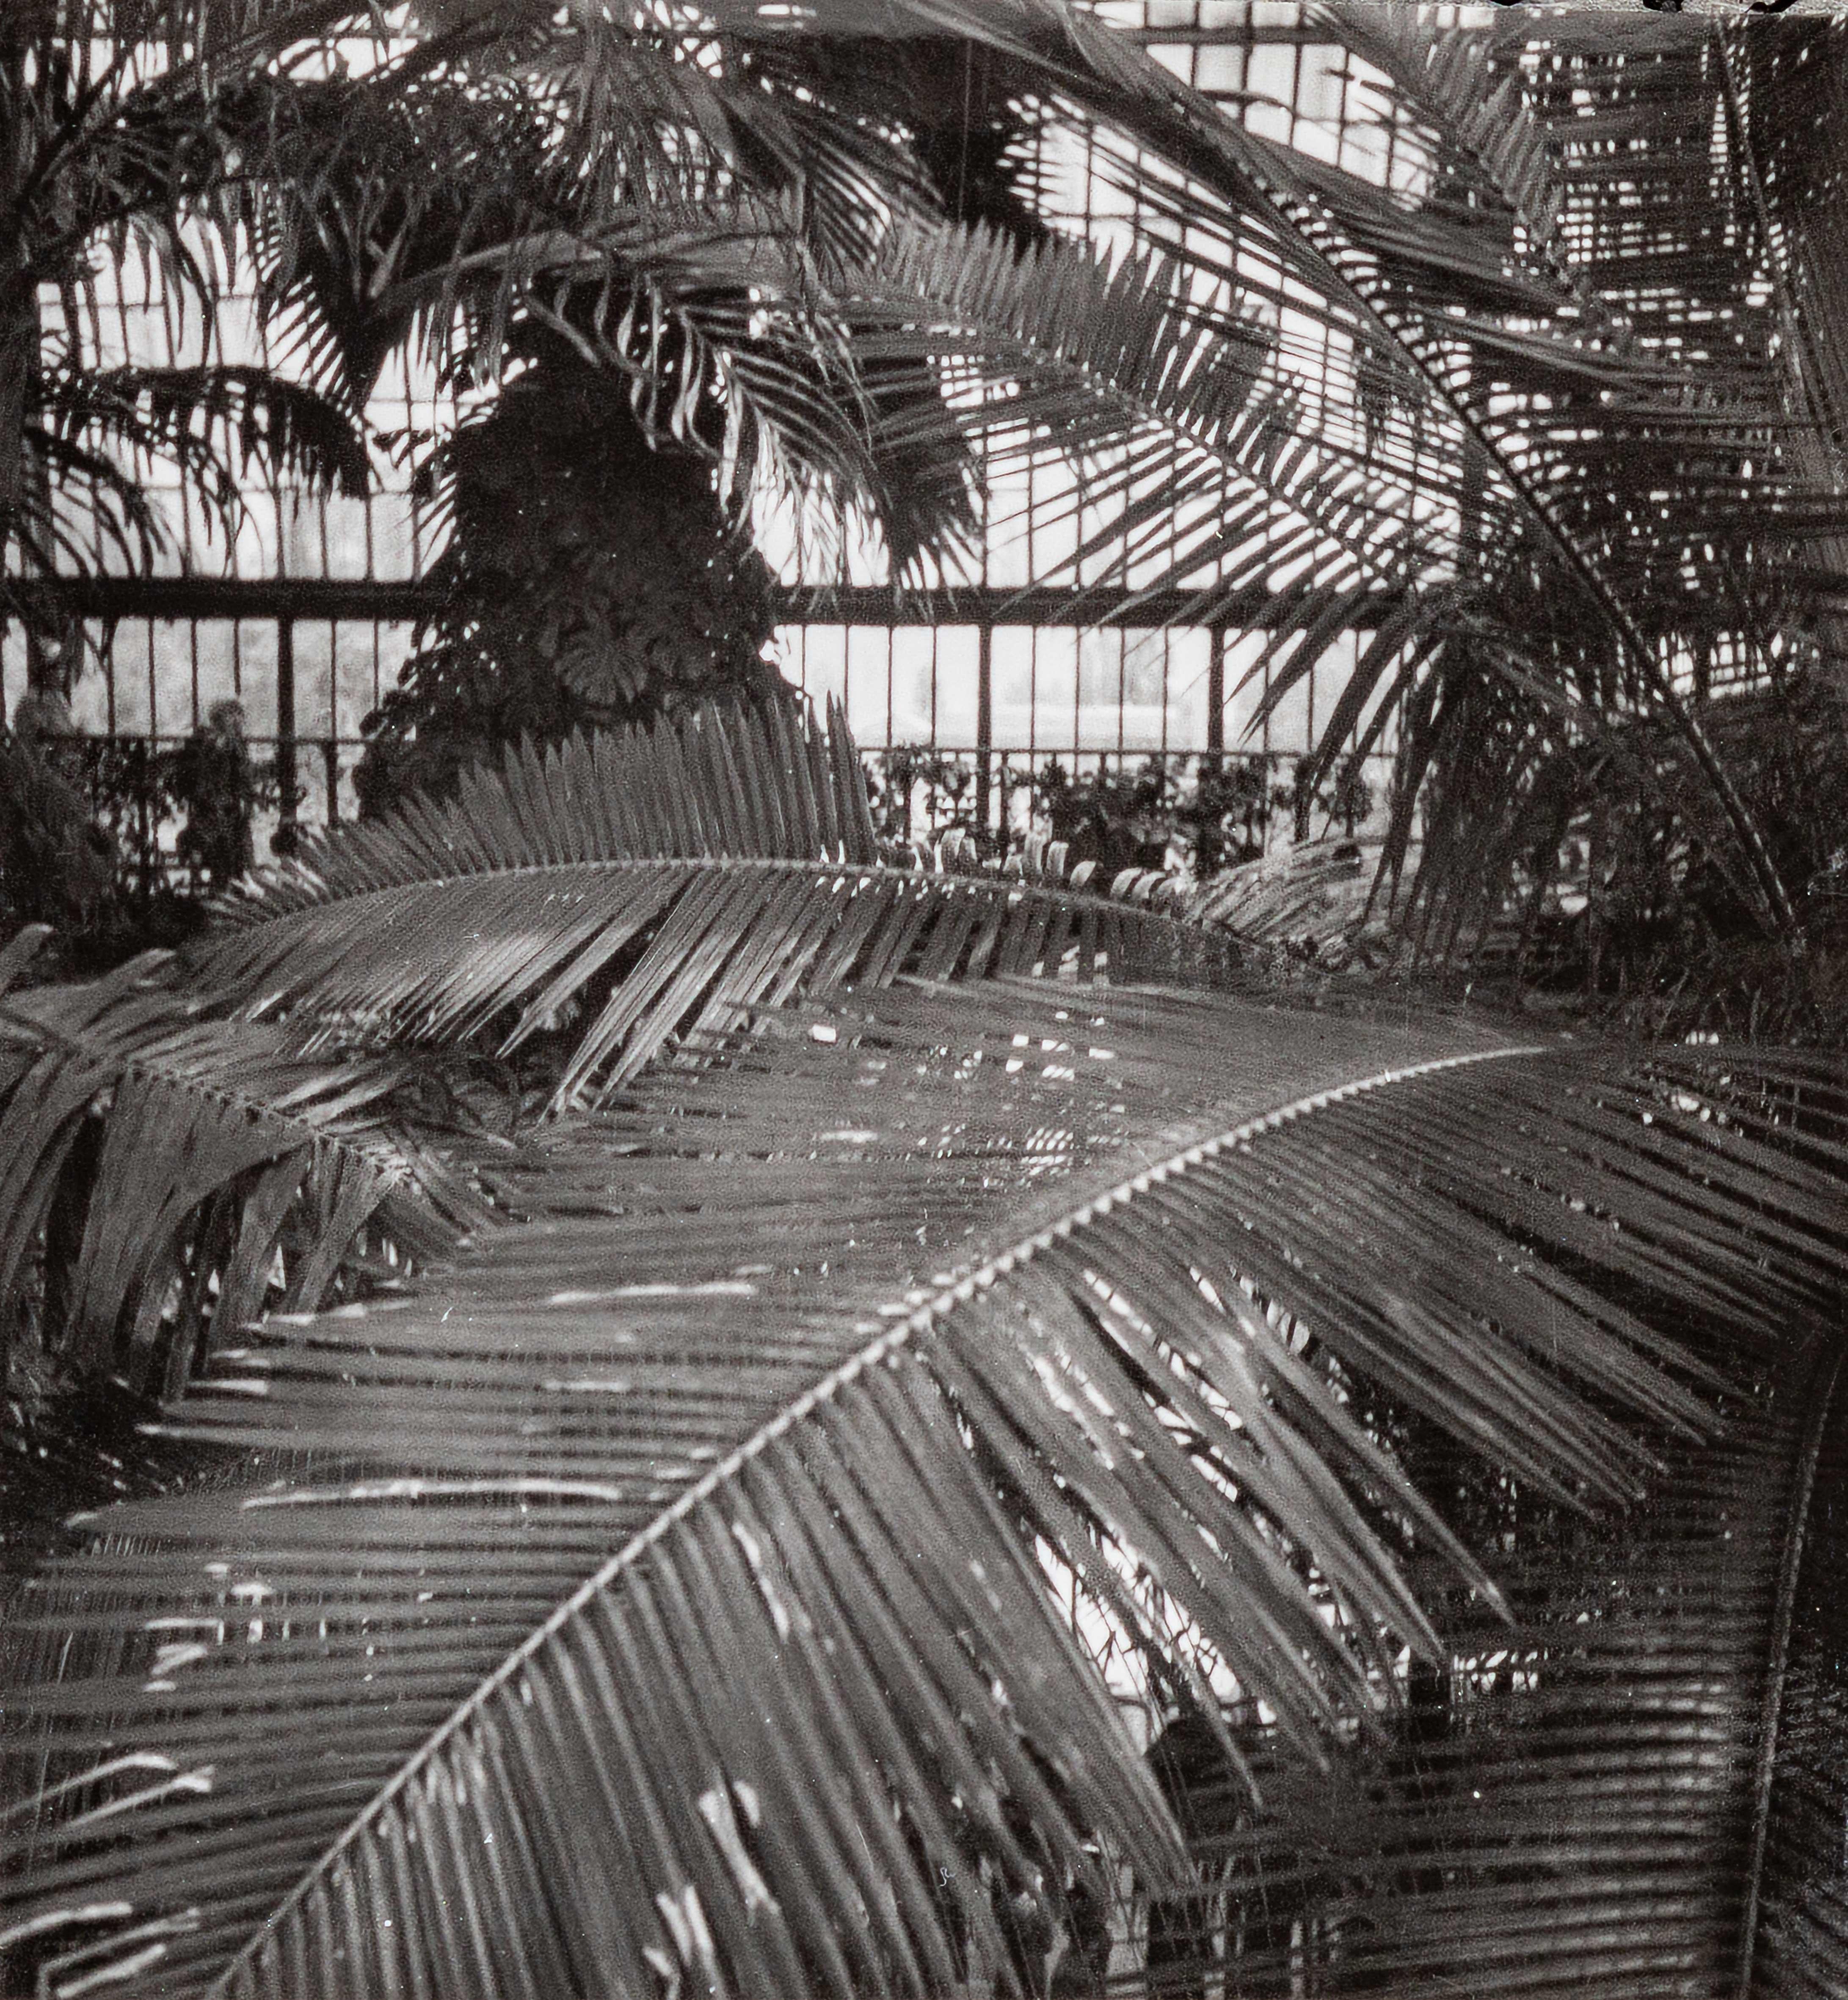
(591, 581)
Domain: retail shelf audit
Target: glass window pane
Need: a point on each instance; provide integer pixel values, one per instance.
(868, 703)
(959, 674)
(257, 664)
(216, 643)
(314, 677)
(1056, 688)
(1100, 716)
(914, 655)
(1012, 684)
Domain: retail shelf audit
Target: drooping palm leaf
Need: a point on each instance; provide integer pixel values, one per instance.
(1633, 1791)
(1537, 372)
(1630, 1792)
(680, 221)
(153, 1161)
(725, 865)
(1191, 462)
(1573, 1810)
(149, 131)
(661, 1597)
(189, 414)
(92, 430)
(1546, 451)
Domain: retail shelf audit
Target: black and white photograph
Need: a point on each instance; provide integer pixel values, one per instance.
(924, 1000)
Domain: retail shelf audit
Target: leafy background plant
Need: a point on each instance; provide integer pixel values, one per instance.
(434, 201)
(590, 580)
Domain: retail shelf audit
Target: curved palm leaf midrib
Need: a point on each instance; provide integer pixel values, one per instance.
(113, 1066)
(723, 784)
(1819, 1397)
(340, 959)
(1143, 1242)
(543, 874)
(769, 863)
(917, 1323)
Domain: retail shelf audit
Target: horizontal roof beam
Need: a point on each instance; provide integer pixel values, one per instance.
(366, 600)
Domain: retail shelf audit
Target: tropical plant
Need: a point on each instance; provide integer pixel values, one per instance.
(454, 187)
(1429, 405)
(590, 582)
(936, 1307)
(1510, 421)
(131, 129)
(1207, 819)
(593, 578)
(1552, 416)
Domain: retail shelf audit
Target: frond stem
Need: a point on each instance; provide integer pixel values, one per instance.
(223, 1093)
(916, 1323)
(1818, 1384)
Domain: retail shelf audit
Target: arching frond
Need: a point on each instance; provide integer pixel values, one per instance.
(1190, 459)
(681, 876)
(1534, 393)
(95, 430)
(1625, 1794)
(675, 1601)
(191, 415)
(154, 1163)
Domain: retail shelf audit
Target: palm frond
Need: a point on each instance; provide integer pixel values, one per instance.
(87, 502)
(1522, 368)
(682, 223)
(96, 430)
(1626, 1793)
(160, 1170)
(1630, 1790)
(1404, 280)
(675, 1603)
(1794, 1936)
(1190, 456)
(187, 414)
(679, 876)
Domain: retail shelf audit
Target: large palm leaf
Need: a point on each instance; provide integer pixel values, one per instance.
(159, 1169)
(680, 876)
(163, 1145)
(1520, 342)
(665, 1593)
(1636, 1791)
(89, 426)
